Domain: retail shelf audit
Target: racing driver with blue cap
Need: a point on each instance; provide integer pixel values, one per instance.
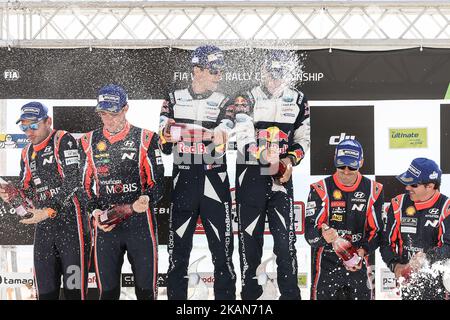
(417, 232)
(200, 181)
(49, 177)
(347, 205)
(121, 166)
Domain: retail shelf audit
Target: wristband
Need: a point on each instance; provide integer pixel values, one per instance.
(50, 213)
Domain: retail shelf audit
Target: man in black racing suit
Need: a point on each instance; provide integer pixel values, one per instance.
(49, 177)
(272, 127)
(351, 206)
(417, 233)
(121, 164)
(200, 180)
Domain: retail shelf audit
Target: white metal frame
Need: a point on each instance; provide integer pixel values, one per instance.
(293, 24)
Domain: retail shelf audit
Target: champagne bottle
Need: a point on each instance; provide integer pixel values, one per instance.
(189, 132)
(345, 250)
(15, 198)
(406, 273)
(281, 170)
(115, 214)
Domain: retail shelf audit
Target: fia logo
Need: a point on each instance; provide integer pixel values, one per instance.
(11, 75)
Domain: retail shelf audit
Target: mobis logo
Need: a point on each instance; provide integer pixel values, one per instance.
(121, 188)
(11, 75)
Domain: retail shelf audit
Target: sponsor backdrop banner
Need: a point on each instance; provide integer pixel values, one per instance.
(408, 138)
(12, 141)
(445, 138)
(148, 73)
(327, 130)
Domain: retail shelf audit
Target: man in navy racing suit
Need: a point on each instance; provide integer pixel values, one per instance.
(49, 177)
(200, 180)
(272, 126)
(351, 206)
(417, 233)
(121, 165)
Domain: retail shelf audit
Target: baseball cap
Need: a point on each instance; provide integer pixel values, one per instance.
(421, 170)
(34, 111)
(280, 63)
(111, 98)
(349, 152)
(209, 57)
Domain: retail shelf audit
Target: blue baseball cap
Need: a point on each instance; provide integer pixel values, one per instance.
(349, 152)
(421, 170)
(34, 111)
(209, 57)
(280, 63)
(111, 98)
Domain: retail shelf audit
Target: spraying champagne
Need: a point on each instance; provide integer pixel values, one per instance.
(16, 200)
(345, 250)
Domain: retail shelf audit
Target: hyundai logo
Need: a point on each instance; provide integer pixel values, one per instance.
(359, 195)
(433, 211)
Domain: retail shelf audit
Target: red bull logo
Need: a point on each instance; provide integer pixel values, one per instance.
(273, 134)
(240, 105)
(240, 100)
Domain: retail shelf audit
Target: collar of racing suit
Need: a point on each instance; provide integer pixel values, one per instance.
(43, 144)
(199, 96)
(347, 188)
(429, 203)
(269, 95)
(113, 138)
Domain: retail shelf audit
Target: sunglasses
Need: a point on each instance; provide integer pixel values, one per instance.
(212, 71)
(32, 126)
(415, 185)
(106, 113)
(349, 168)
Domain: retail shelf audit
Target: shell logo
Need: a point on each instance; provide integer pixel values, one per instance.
(101, 146)
(410, 211)
(337, 194)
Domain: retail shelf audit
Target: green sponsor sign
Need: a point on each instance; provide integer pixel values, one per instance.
(408, 138)
(302, 279)
(447, 95)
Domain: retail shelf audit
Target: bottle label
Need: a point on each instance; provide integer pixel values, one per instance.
(20, 210)
(353, 261)
(175, 131)
(104, 216)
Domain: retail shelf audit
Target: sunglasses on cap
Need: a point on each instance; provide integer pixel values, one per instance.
(349, 168)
